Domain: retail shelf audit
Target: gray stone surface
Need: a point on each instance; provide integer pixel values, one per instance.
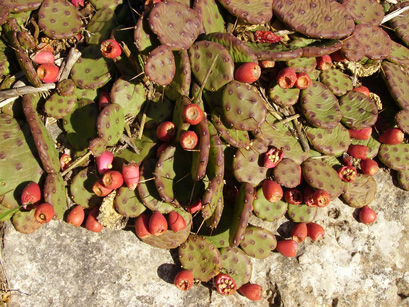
(354, 265)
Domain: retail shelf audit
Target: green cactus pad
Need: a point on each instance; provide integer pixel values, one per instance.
(321, 47)
(365, 12)
(375, 41)
(243, 107)
(395, 157)
(236, 264)
(5, 52)
(400, 26)
(130, 95)
(202, 54)
(59, 106)
(287, 173)
(97, 146)
(17, 163)
(201, 257)
(266, 210)
(81, 189)
(320, 19)
(147, 190)
(44, 143)
(86, 93)
(160, 66)
(302, 64)
(215, 167)
(175, 24)
(127, 203)
(180, 85)
(66, 87)
(99, 4)
(81, 124)
(274, 52)
(239, 51)
(361, 192)
(4, 13)
(219, 236)
(320, 175)
(215, 218)
(338, 82)
(353, 49)
(282, 96)
(100, 26)
(172, 178)
(236, 138)
(159, 110)
(274, 133)
(248, 163)
(332, 142)
(358, 110)
(372, 143)
(320, 106)
(25, 222)
(302, 213)
(171, 239)
(58, 19)
(111, 124)
(212, 197)
(399, 54)
(92, 70)
(212, 19)
(258, 242)
(254, 12)
(54, 193)
(403, 179)
(397, 81)
(402, 120)
(17, 6)
(241, 214)
(200, 159)
(145, 39)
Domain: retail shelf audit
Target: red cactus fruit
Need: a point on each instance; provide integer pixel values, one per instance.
(293, 196)
(31, 195)
(347, 173)
(111, 49)
(77, 3)
(44, 57)
(158, 224)
(184, 280)
(287, 248)
(65, 161)
(176, 221)
(48, 73)
(362, 89)
(112, 179)
(286, 77)
(272, 157)
(91, 222)
(130, 174)
(348, 160)
(360, 134)
(321, 198)
(248, 72)
(100, 189)
(142, 226)
(103, 100)
(266, 37)
(253, 292)
(267, 64)
(303, 80)
(315, 231)
(192, 114)
(44, 213)
(161, 148)
(369, 167)
(76, 216)
(308, 196)
(188, 140)
(225, 284)
(324, 62)
(166, 131)
(299, 232)
(195, 207)
(338, 56)
(358, 151)
(367, 215)
(104, 161)
(392, 136)
(272, 191)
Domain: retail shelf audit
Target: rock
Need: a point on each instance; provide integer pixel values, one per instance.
(354, 265)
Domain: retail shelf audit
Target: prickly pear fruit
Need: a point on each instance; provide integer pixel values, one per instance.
(303, 80)
(347, 173)
(360, 134)
(31, 195)
(315, 231)
(272, 191)
(225, 284)
(367, 215)
(44, 57)
(272, 157)
(166, 131)
(392, 136)
(253, 292)
(111, 49)
(92, 223)
(158, 224)
(308, 196)
(287, 248)
(176, 221)
(324, 62)
(142, 226)
(76, 216)
(293, 196)
(369, 167)
(321, 198)
(130, 174)
(192, 114)
(286, 77)
(100, 189)
(362, 89)
(299, 232)
(104, 161)
(44, 213)
(184, 280)
(248, 72)
(48, 72)
(112, 179)
(188, 139)
(65, 161)
(358, 151)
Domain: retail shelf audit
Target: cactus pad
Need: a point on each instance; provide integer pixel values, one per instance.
(358, 110)
(266, 210)
(397, 81)
(399, 54)
(284, 97)
(160, 65)
(111, 124)
(375, 41)
(54, 193)
(301, 213)
(58, 106)
(332, 142)
(130, 95)
(402, 120)
(127, 203)
(321, 47)
(236, 138)
(287, 173)
(25, 222)
(236, 264)
(212, 18)
(361, 192)
(81, 189)
(258, 242)
(368, 12)
(338, 82)
(395, 157)
(254, 12)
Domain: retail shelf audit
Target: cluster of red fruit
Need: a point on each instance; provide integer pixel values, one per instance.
(157, 224)
(31, 198)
